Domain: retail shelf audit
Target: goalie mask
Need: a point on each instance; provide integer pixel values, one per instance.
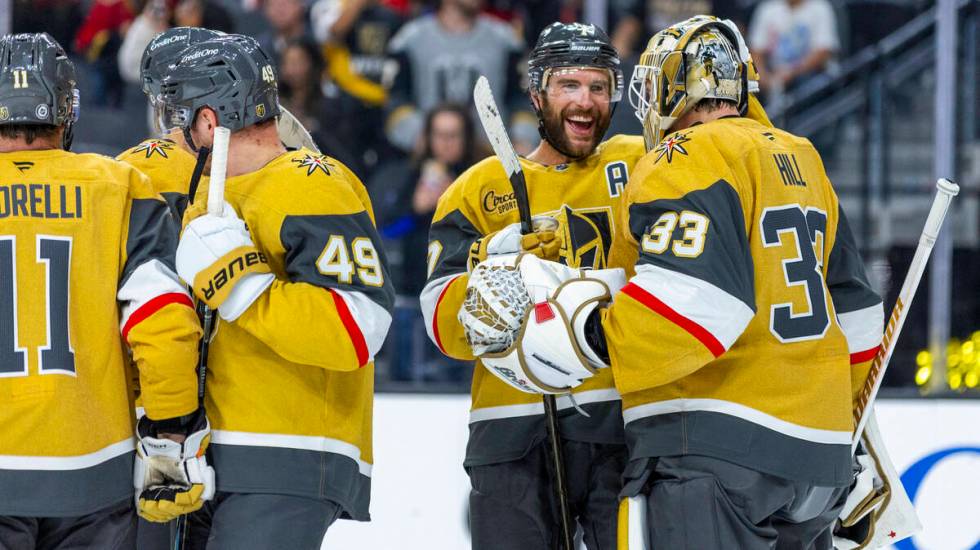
(700, 58)
(37, 83)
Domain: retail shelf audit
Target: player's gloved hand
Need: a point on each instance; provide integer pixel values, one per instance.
(217, 257)
(546, 351)
(543, 242)
(172, 478)
(497, 298)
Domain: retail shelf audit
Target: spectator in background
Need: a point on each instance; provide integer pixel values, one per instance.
(287, 22)
(410, 190)
(354, 35)
(300, 73)
(440, 57)
(405, 195)
(98, 40)
(160, 15)
(792, 41)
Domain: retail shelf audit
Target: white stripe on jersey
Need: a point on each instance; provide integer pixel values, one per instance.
(61, 463)
(530, 409)
(301, 442)
(146, 282)
(830, 437)
(429, 299)
(715, 310)
(372, 319)
(863, 328)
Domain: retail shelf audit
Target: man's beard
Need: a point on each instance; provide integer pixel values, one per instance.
(554, 126)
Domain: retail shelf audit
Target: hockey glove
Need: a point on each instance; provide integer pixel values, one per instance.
(217, 257)
(172, 478)
(543, 242)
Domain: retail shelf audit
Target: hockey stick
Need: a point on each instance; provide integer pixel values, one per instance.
(493, 125)
(945, 191)
(216, 200)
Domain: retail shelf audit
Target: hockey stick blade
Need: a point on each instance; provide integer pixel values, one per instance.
(493, 126)
(945, 191)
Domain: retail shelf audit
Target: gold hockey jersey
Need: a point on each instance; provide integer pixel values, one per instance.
(290, 382)
(86, 268)
(168, 165)
(749, 324)
(585, 196)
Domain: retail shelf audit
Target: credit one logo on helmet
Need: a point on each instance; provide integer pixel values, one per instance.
(915, 474)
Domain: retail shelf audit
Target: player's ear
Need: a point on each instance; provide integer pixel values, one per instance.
(535, 100)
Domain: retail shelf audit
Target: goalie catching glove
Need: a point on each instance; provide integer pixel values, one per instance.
(217, 257)
(525, 319)
(172, 478)
(543, 242)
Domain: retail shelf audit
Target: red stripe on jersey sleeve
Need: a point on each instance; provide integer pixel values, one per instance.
(694, 329)
(866, 355)
(435, 314)
(356, 336)
(153, 306)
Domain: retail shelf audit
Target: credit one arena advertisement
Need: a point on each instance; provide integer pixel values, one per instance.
(419, 494)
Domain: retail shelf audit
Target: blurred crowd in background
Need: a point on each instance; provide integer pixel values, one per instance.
(385, 85)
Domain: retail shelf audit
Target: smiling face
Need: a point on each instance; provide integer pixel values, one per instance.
(575, 104)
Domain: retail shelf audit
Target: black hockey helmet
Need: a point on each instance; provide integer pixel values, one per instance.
(163, 51)
(37, 83)
(230, 74)
(573, 45)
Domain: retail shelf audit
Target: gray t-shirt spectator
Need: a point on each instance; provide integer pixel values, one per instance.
(444, 66)
(438, 66)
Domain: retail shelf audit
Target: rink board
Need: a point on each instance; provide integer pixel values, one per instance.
(420, 490)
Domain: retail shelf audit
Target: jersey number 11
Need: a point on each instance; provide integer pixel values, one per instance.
(56, 356)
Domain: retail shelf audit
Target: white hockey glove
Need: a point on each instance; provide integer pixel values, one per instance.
(217, 258)
(171, 478)
(543, 242)
(544, 354)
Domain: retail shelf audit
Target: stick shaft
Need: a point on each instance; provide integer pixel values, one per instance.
(946, 190)
(493, 125)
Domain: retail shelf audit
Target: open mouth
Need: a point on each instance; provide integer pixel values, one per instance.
(580, 126)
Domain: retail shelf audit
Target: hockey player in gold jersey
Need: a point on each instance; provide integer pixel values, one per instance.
(749, 325)
(86, 271)
(576, 185)
(294, 268)
(163, 158)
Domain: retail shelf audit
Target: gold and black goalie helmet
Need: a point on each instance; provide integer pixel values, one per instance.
(701, 57)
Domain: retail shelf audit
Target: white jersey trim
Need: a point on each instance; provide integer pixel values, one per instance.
(300, 442)
(429, 299)
(715, 310)
(63, 463)
(863, 328)
(531, 409)
(830, 437)
(151, 279)
(373, 320)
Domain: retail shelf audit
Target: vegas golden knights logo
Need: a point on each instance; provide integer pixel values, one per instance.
(586, 236)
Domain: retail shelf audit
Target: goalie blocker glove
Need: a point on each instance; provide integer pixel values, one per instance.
(527, 330)
(172, 478)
